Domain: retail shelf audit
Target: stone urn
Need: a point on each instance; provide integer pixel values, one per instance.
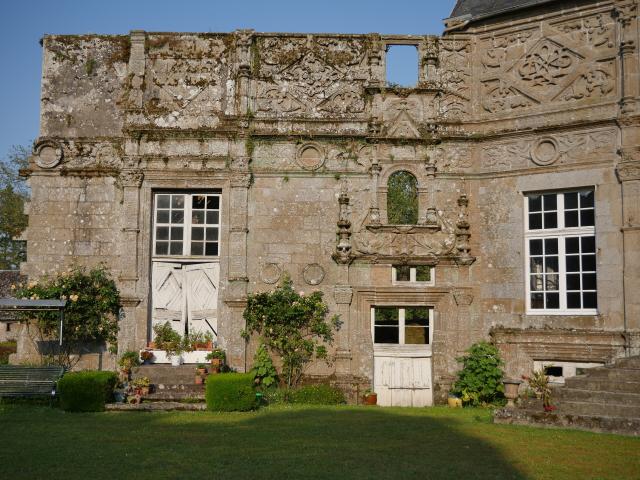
(511, 386)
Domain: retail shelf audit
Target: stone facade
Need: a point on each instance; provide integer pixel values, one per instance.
(299, 135)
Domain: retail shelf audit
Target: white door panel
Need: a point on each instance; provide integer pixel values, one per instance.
(168, 295)
(403, 381)
(202, 282)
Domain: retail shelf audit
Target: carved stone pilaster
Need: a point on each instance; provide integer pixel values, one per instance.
(462, 232)
(244, 39)
(342, 254)
(429, 53)
(137, 65)
(626, 13)
(131, 178)
(240, 180)
(376, 60)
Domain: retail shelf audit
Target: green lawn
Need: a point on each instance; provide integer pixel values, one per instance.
(302, 442)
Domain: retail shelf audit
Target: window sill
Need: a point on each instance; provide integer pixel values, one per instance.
(564, 313)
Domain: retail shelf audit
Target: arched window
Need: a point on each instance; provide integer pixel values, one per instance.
(402, 199)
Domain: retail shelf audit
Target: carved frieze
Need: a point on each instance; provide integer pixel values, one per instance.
(547, 150)
(311, 76)
(92, 155)
(594, 30)
(452, 157)
(186, 79)
(455, 77)
(628, 171)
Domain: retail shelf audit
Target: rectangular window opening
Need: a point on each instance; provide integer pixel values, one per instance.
(420, 275)
(402, 325)
(402, 65)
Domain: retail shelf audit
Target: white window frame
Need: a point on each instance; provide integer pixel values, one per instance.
(401, 326)
(568, 369)
(412, 277)
(186, 239)
(561, 233)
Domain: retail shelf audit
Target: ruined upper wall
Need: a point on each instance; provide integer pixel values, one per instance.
(561, 66)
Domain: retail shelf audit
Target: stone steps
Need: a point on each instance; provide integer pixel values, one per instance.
(166, 374)
(603, 399)
(173, 395)
(592, 423)
(597, 396)
(155, 407)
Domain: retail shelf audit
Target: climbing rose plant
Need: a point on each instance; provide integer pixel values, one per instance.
(93, 303)
(292, 325)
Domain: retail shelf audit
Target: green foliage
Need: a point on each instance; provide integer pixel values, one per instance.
(230, 392)
(128, 360)
(13, 194)
(402, 199)
(216, 353)
(480, 380)
(292, 325)
(91, 314)
(6, 349)
(86, 391)
(265, 374)
(539, 383)
(166, 338)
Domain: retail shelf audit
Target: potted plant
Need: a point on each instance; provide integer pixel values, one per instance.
(201, 341)
(126, 362)
(201, 373)
(539, 382)
(370, 397)
(167, 339)
(454, 400)
(217, 358)
(142, 386)
(146, 356)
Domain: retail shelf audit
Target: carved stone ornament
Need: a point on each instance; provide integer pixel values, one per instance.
(313, 274)
(463, 297)
(131, 178)
(545, 151)
(628, 171)
(48, 153)
(343, 294)
(270, 273)
(310, 156)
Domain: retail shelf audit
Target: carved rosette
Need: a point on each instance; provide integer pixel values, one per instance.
(47, 153)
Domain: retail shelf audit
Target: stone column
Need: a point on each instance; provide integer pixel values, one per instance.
(376, 61)
(132, 334)
(626, 13)
(243, 46)
(235, 294)
(137, 64)
(629, 175)
(343, 295)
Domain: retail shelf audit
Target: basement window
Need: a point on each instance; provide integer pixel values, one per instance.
(402, 65)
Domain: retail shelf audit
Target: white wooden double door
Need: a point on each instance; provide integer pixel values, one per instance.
(402, 376)
(186, 295)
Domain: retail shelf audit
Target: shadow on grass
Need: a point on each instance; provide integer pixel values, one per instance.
(282, 443)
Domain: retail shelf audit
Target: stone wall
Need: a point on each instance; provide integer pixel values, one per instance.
(301, 133)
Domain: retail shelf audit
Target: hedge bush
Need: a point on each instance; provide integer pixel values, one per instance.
(86, 391)
(231, 392)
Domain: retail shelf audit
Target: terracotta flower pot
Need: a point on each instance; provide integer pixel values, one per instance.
(199, 380)
(371, 399)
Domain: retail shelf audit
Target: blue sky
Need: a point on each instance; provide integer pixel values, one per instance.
(24, 22)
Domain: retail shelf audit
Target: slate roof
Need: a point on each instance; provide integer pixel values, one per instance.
(486, 8)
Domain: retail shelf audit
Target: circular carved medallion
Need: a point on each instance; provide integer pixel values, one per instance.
(48, 154)
(313, 274)
(545, 151)
(310, 156)
(270, 273)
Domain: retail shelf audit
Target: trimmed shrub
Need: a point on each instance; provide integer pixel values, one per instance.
(86, 391)
(317, 395)
(231, 392)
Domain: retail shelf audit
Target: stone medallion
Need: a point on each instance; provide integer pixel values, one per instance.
(313, 274)
(47, 153)
(270, 273)
(310, 156)
(545, 151)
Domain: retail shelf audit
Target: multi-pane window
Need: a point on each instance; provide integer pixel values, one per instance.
(187, 224)
(420, 274)
(561, 252)
(401, 325)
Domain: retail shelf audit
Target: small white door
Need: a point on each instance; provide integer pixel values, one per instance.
(402, 355)
(202, 281)
(168, 295)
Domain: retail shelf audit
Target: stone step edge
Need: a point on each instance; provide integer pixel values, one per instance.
(560, 393)
(154, 407)
(568, 403)
(628, 426)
